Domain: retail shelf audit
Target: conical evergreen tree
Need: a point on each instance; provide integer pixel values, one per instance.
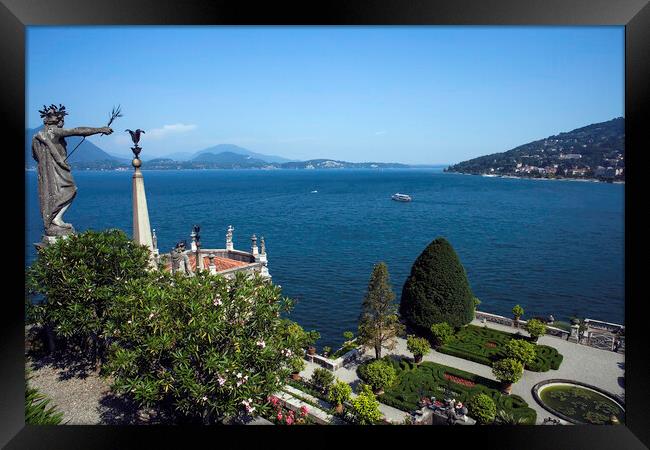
(378, 322)
(437, 290)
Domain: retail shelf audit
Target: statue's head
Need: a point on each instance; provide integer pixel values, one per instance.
(53, 115)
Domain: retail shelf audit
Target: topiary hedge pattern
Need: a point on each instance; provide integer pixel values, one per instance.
(432, 379)
(485, 346)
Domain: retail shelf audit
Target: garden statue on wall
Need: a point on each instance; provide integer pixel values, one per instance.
(56, 187)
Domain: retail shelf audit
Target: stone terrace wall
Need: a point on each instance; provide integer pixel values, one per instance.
(502, 320)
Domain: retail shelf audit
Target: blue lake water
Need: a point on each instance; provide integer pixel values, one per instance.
(554, 247)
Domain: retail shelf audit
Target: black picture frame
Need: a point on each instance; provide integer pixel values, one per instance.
(15, 15)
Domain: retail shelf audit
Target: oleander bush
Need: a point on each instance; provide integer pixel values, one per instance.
(77, 279)
(432, 379)
(486, 345)
(208, 347)
(481, 408)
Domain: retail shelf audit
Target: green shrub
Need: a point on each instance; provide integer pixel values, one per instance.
(535, 328)
(38, 410)
(348, 335)
(380, 375)
(521, 350)
(517, 311)
(365, 407)
(208, 346)
(78, 278)
(312, 337)
(442, 333)
(437, 290)
(508, 370)
(327, 350)
(339, 392)
(482, 409)
(322, 379)
(418, 346)
(432, 379)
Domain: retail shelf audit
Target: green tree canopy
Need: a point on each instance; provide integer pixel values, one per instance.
(380, 375)
(481, 408)
(521, 350)
(535, 328)
(365, 407)
(508, 370)
(339, 392)
(437, 290)
(210, 347)
(378, 323)
(78, 278)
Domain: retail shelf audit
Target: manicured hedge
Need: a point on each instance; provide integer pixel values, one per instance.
(471, 343)
(428, 379)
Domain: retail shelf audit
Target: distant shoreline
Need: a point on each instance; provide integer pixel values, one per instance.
(584, 180)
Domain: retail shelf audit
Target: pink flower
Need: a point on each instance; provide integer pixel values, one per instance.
(289, 420)
(279, 416)
(303, 410)
(221, 380)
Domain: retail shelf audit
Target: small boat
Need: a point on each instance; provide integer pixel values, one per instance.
(314, 192)
(401, 197)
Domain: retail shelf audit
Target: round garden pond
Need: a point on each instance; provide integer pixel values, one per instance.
(579, 403)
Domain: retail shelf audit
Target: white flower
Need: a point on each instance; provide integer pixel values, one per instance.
(261, 343)
(239, 375)
(217, 301)
(129, 321)
(221, 380)
(150, 315)
(204, 398)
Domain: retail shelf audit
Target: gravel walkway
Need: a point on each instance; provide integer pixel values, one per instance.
(83, 396)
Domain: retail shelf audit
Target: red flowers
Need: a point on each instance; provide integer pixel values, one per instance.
(285, 416)
(458, 380)
(490, 344)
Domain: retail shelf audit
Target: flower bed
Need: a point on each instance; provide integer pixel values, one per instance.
(432, 379)
(282, 415)
(458, 380)
(485, 345)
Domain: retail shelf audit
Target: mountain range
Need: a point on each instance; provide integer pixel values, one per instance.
(595, 151)
(223, 156)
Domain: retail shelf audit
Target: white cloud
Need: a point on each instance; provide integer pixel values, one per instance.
(159, 133)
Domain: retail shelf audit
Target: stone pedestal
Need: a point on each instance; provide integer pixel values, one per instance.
(141, 227)
(574, 337)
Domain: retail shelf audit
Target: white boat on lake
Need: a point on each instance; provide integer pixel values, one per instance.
(401, 197)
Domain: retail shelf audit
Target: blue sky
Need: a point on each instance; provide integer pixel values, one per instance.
(425, 95)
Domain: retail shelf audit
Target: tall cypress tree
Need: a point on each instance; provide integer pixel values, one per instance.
(378, 322)
(437, 290)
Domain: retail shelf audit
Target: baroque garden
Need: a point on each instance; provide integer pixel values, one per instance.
(203, 336)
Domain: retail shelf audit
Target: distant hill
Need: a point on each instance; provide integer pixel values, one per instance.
(594, 151)
(88, 155)
(229, 158)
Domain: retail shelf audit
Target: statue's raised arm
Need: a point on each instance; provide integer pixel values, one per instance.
(56, 187)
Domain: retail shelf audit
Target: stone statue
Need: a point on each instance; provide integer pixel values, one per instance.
(180, 260)
(56, 186)
(262, 246)
(229, 234)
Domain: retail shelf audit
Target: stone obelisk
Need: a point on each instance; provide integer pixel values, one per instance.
(141, 226)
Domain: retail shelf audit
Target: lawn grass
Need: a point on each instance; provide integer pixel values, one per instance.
(486, 345)
(429, 379)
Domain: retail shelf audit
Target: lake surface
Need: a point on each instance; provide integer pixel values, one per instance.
(554, 247)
